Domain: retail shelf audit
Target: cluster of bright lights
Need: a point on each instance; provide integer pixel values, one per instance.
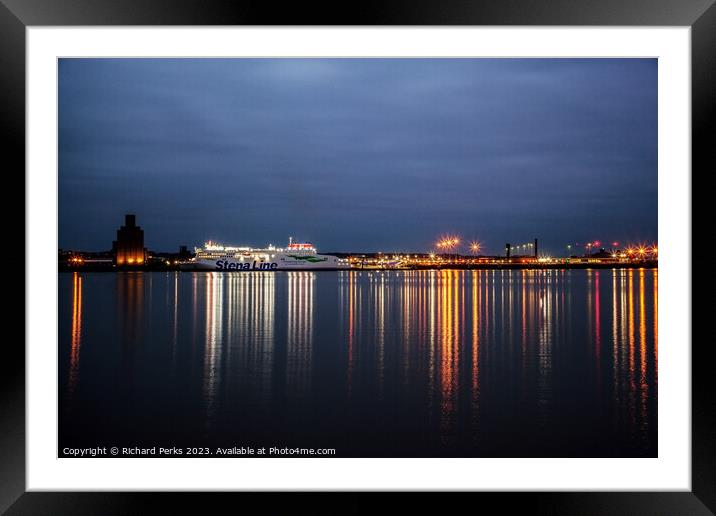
(450, 242)
(217, 247)
(211, 246)
(641, 251)
(524, 247)
(636, 251)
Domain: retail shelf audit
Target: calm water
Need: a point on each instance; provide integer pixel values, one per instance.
(417, 363)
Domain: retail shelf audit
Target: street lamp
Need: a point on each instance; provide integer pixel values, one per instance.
(454, 244)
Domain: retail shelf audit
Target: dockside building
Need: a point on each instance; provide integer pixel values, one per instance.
(129, 249)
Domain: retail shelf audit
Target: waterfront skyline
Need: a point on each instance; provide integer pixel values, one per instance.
(358, 154)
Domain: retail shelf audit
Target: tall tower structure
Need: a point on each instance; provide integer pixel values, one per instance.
(128, 249)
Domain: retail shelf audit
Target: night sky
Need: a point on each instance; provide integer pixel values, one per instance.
(358, 154)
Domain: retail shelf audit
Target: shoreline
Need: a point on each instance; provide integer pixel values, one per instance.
(486, 266)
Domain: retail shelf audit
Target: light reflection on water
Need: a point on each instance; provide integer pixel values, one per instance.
(76, 339)
(409, 363)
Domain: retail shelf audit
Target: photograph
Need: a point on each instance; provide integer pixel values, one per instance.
(374, 257)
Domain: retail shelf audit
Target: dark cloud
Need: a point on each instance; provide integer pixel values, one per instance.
(358, 154)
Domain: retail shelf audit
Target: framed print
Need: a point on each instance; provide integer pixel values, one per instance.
(420, 249)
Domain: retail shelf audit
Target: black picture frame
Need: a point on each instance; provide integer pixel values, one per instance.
(17, 15)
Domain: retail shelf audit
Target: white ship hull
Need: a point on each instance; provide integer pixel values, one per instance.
(294, 257)
(233, 265)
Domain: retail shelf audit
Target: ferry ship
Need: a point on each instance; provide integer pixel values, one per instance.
(294, 257)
